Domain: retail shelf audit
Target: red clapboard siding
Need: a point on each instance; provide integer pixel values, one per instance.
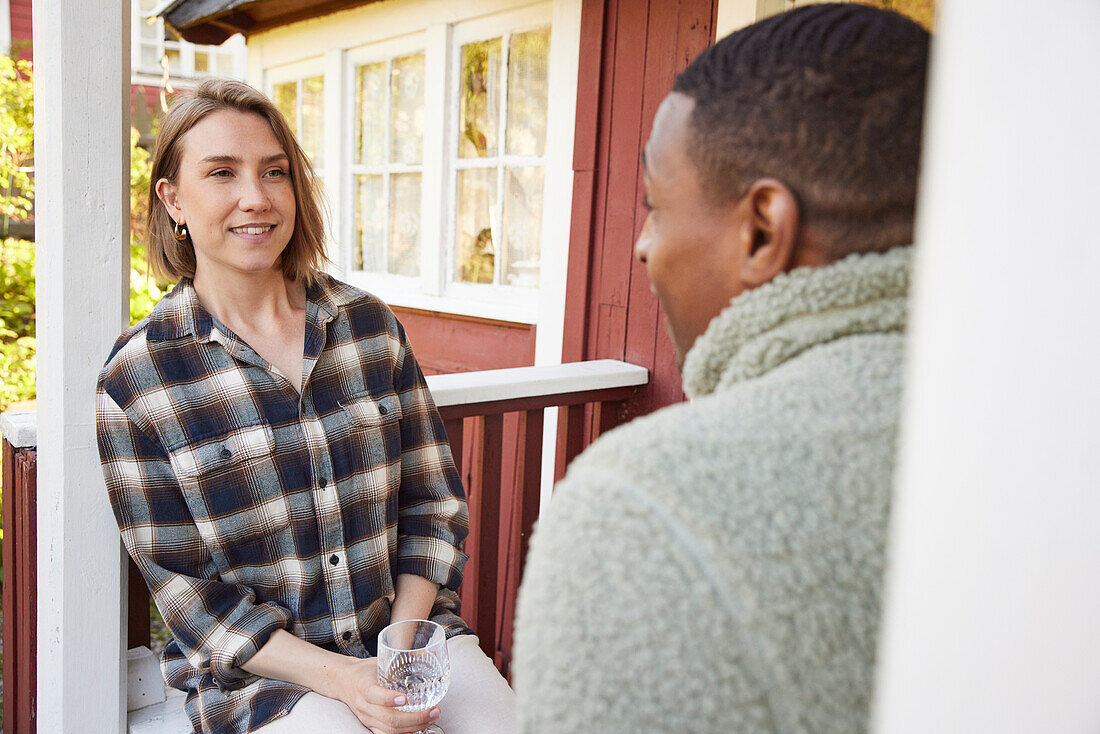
(631, 52)
(21, 32)
(445, 343)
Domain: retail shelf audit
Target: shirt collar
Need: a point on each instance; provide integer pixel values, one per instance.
(179, 313)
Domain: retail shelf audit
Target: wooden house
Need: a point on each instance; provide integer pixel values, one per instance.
(987, 625)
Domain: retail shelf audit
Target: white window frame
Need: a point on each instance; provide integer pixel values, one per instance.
(505, 24)
(385, 285)
(345, 39)
(234, 46)
(298, 72)
(434, 289)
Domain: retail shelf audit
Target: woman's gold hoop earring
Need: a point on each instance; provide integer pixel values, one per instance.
(179, 231)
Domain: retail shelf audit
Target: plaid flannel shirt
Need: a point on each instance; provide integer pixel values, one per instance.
(250, 507)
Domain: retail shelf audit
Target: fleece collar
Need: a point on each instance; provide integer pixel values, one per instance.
(763, 328)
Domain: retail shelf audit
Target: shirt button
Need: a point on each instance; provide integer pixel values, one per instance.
(347, 636)
(323, 482)
(226, 453)
(382, 410)
(334, 559)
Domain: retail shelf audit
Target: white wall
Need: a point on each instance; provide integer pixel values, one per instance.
(735, 14)
(992, 619)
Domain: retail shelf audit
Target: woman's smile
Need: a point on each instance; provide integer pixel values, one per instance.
(253, 232)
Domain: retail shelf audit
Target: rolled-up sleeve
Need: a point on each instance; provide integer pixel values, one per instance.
(432, 515)
(217, 625)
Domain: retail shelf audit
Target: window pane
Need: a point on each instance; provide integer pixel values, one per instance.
(313, 131)
(150, 57)
(407, 88)
(286, 99)
(149, 28)
(174, 63)
(476, 209)
(202, 62)
(224, 64)
(150, 32)
(371, 89)
(405, 224)
(479, 105)
(522, 226)
(528, 60)
(370, 216)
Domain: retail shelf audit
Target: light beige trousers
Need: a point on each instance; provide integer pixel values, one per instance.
(478, 701)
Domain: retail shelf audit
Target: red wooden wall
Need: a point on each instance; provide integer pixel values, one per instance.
(631, 50)
(446, 343)
(21, 27)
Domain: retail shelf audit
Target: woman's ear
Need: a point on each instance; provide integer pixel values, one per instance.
(166, 192)
(774, 223)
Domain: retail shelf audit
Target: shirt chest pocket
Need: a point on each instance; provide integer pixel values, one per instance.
(374, 425)
(232, 486)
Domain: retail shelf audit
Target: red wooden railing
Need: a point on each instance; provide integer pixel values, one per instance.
(503, 515)
(20, 600)
(476, 408)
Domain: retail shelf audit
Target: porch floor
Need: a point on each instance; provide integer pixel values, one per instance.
(166, 717)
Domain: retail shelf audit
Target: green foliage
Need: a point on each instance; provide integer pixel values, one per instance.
(16, 139)
(145, 291)
(17, 346)
(17, 310)
(17, 350)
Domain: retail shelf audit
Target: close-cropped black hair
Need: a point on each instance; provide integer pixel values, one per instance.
(826, 98)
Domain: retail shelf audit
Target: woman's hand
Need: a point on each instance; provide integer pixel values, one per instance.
(375, 706)
(351, 680)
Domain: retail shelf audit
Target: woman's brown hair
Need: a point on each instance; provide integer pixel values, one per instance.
(172, 258)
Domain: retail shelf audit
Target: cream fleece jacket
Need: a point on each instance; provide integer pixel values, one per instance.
(717, 566)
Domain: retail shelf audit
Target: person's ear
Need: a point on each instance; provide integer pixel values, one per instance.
(166, 192)
(772, 229)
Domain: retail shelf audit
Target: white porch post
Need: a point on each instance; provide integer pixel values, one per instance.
(82, 114)
(993, 595)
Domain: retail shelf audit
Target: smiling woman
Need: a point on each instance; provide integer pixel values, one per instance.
(186, 151)
(233, 194)
(273, 457)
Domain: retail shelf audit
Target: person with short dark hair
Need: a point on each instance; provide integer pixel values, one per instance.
(272, 454)
(718, 566)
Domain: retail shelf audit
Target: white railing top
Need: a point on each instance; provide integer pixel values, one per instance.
(20, 428)
(483, 386)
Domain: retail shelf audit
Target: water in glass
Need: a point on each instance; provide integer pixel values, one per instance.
(412, 659)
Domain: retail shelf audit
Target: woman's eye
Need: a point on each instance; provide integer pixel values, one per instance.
(276, 173)
(222, 173)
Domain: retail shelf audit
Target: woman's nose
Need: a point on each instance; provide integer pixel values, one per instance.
(254, 197)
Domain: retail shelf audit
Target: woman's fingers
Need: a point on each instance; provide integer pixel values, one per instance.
(377, 711)
(379, 696)
(385, 720)
(376, 706)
